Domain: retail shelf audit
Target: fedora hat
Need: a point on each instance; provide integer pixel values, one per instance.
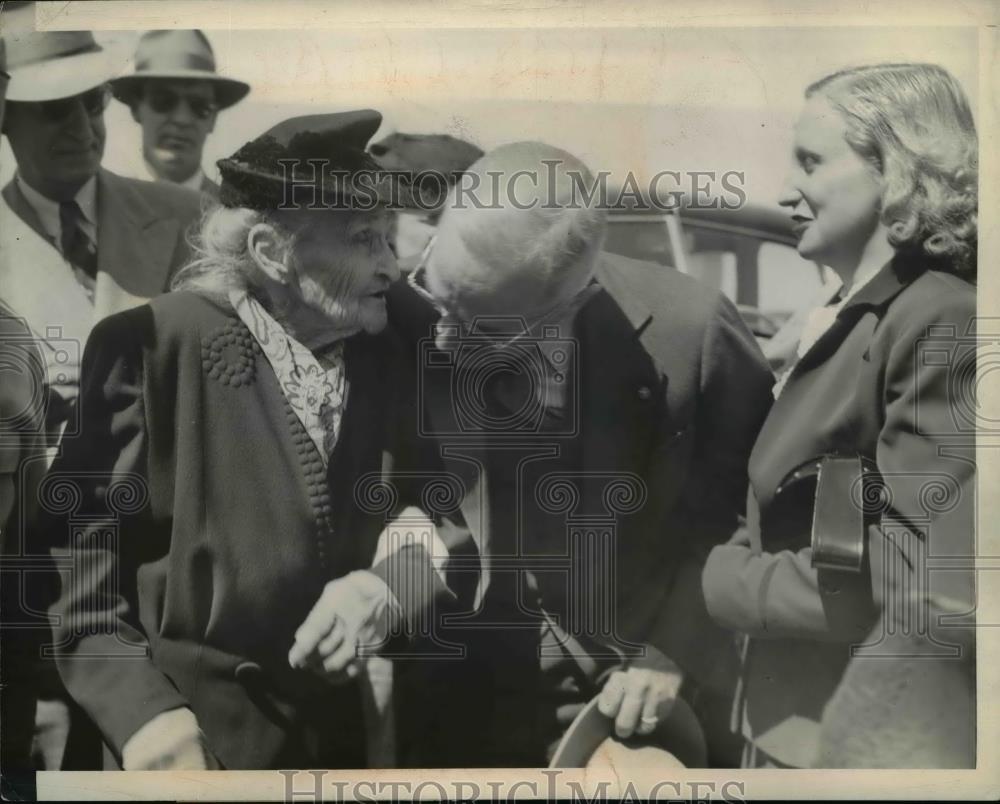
(590, 742)
(49, 65)
(416, 154)
(325, 152)
(185, 55)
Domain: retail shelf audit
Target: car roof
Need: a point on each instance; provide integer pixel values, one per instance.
(752, 219)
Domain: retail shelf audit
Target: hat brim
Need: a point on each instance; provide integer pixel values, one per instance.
(228, 91)
(59, 78)
(679, 734)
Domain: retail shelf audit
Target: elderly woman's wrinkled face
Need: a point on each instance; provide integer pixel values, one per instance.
(343, 266)
(833, 193)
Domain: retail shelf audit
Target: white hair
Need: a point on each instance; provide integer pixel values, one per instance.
(222, 261)
(527, 209)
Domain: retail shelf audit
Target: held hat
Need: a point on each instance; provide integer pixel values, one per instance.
(182, 55)
(434, 163)
(49, 65)
(314, 161)
(590, 742)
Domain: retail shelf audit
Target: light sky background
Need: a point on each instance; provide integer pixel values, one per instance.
(620, 98)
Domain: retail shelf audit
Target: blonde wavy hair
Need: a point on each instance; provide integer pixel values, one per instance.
(912, 122)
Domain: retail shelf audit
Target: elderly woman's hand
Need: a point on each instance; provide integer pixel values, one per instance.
(353, 616)
(639, 698)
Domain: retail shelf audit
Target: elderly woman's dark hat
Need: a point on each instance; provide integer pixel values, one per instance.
(178, 55)
(313, 162)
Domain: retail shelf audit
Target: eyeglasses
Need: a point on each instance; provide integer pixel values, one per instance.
(94, 102)
(165, 101)
(417, 280)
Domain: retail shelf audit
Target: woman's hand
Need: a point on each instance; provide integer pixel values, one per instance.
(639, 698)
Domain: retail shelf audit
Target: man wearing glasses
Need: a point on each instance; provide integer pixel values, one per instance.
(175, 94)
(77, 243)
(566, 386)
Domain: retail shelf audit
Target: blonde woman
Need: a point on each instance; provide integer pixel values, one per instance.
(883, 191)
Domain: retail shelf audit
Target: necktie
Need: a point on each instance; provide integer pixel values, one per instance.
(77, 247)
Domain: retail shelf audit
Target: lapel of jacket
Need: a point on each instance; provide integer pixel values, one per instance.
(19, 204)
(134, 243)
(621, 387)
(876, 295)
(461, 455)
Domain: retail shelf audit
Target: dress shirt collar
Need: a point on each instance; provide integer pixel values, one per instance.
(48, 210)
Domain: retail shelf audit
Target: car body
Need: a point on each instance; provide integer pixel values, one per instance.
(748, 253)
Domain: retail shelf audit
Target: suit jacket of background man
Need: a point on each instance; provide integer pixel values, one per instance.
(203, 531)
(141, 242)
(891, 380)
(141, 230)
(672, 388)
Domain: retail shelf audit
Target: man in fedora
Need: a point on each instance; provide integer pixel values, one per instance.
(77, 242)
(175, 94)
(245, 404)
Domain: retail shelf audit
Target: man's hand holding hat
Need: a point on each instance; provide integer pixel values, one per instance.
(641, 696)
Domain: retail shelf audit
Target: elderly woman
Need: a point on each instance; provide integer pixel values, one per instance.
(884, 192)
(218, 579)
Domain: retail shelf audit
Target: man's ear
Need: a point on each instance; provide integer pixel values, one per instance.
(267, 248)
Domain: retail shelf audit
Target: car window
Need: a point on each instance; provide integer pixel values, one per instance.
(715, 268)
(722, 258)
(765, 278)
(641, 237)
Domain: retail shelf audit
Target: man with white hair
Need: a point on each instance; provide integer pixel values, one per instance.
(595, 406)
